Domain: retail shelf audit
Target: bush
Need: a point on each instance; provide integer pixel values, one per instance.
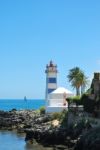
(61, 116)
(75, 99)
(69, 99)
(42, 110)
(56, 115)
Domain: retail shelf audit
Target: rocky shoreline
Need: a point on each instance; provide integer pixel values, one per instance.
(40, 128)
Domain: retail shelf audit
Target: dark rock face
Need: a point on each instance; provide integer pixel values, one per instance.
(48, 136)
(36, 126)
(40, 128)
(15, 119)
(90, 140)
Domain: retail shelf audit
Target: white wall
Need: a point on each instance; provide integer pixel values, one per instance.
(55, 109)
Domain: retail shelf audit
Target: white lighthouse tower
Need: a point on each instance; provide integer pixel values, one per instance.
(51, 78)
(55, 96)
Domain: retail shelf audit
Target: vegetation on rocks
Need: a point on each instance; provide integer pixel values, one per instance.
(42, 110)
(74, 99)
(61, 116)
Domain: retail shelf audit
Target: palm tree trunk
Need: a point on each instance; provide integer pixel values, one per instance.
(82, 89)
(77, 91)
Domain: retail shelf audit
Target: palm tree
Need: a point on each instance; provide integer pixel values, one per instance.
(78, 79)
(84, 83)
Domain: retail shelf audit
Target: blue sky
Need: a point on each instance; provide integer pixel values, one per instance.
(32, 32)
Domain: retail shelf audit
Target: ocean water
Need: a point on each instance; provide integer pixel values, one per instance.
(11, 140)
(19, 104)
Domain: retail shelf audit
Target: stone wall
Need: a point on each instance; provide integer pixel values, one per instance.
(95, 87)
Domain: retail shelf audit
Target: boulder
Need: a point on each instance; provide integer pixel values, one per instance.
(90, 140)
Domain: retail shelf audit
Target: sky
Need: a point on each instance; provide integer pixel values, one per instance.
(33, 32)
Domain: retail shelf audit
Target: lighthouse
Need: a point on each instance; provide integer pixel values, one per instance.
(51, 78)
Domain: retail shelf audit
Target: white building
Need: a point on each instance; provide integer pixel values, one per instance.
(55, 97)
(56, 101)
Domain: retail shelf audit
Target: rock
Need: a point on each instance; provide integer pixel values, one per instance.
(13, 119)
(90, 140)
(43, 128)
(46, 134)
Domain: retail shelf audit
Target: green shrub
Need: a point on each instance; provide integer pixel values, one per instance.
(69, 99)
(42, 110)
(61, 116)
(75, 99)
(56, 115)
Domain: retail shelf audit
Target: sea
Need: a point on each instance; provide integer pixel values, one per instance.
(21, 104)
(11, 140)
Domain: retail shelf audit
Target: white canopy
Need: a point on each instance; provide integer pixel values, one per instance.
(60, 94)
(62, 90)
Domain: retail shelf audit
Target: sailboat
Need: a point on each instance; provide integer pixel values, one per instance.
(25, 99)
